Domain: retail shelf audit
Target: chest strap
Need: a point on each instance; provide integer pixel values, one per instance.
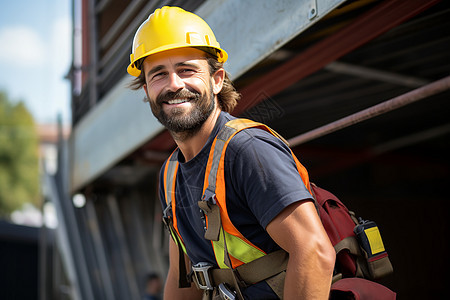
(270, 268)
(258, 270)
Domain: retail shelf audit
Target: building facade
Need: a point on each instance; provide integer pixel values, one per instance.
(359, 89)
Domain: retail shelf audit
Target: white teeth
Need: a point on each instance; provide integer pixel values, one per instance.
(176, 101)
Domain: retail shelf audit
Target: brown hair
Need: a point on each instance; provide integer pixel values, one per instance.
(228, 97)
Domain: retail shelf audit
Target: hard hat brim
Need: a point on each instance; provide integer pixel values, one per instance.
(220, 54)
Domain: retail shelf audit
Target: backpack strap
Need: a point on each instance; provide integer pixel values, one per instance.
(221, 142)
(218, 149)
(270, 268)
(170, 175)
(263, 268)
(239, 250)
(351, 245)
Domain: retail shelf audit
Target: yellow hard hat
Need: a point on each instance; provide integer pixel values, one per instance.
(172, 28)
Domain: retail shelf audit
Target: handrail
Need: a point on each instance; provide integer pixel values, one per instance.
(376, 110)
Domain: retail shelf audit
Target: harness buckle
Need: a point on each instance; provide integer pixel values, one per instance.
(209, 197)
(202, 275)
(166, 217)
(226, 292)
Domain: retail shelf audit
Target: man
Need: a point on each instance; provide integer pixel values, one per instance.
(179, 64)
(153, 287)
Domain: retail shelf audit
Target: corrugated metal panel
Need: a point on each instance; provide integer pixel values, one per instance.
(118, 125)
(251, 30)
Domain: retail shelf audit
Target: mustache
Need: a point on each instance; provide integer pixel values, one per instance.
(180, 94)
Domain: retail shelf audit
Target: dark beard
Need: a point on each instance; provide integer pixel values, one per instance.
(179, 123)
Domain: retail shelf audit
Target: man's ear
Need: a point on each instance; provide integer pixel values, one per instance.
(218, 79)
(144, 87)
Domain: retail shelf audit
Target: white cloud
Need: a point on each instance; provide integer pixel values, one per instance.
(21, 46)
(58, 66)
(61, 42)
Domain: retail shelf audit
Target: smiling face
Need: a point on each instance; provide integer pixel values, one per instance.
(180, 88)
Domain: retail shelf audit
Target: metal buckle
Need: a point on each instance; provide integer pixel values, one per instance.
(209, 196)
(166, 211)
(201, 273)
(166, 217)
(226, 292)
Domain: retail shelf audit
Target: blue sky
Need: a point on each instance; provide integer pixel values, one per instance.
(35, 55)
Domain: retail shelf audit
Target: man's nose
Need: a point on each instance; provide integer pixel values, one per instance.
(175, 82)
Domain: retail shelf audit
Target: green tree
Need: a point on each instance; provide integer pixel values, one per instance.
(19, 157)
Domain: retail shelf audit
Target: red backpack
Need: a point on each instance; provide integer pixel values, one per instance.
(360, 255)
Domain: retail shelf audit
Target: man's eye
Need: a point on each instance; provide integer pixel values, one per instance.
(158, 75)
(187, 71)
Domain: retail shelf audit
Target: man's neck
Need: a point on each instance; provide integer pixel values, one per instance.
(190, 146)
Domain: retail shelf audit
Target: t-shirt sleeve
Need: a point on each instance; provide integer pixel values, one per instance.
(264, 174)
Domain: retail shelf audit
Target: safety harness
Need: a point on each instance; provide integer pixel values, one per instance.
(241, 263)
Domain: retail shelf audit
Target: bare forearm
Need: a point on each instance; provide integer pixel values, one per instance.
(172, 291)
(298, 230)
(308, 277)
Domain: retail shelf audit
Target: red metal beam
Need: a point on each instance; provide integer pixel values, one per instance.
(162, 142)
(85, 54)
(365, 28)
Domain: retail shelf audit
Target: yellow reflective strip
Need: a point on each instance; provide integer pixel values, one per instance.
(237, 248)
(375, 241)
(177, 239)
(219, 251)
(241, 250)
